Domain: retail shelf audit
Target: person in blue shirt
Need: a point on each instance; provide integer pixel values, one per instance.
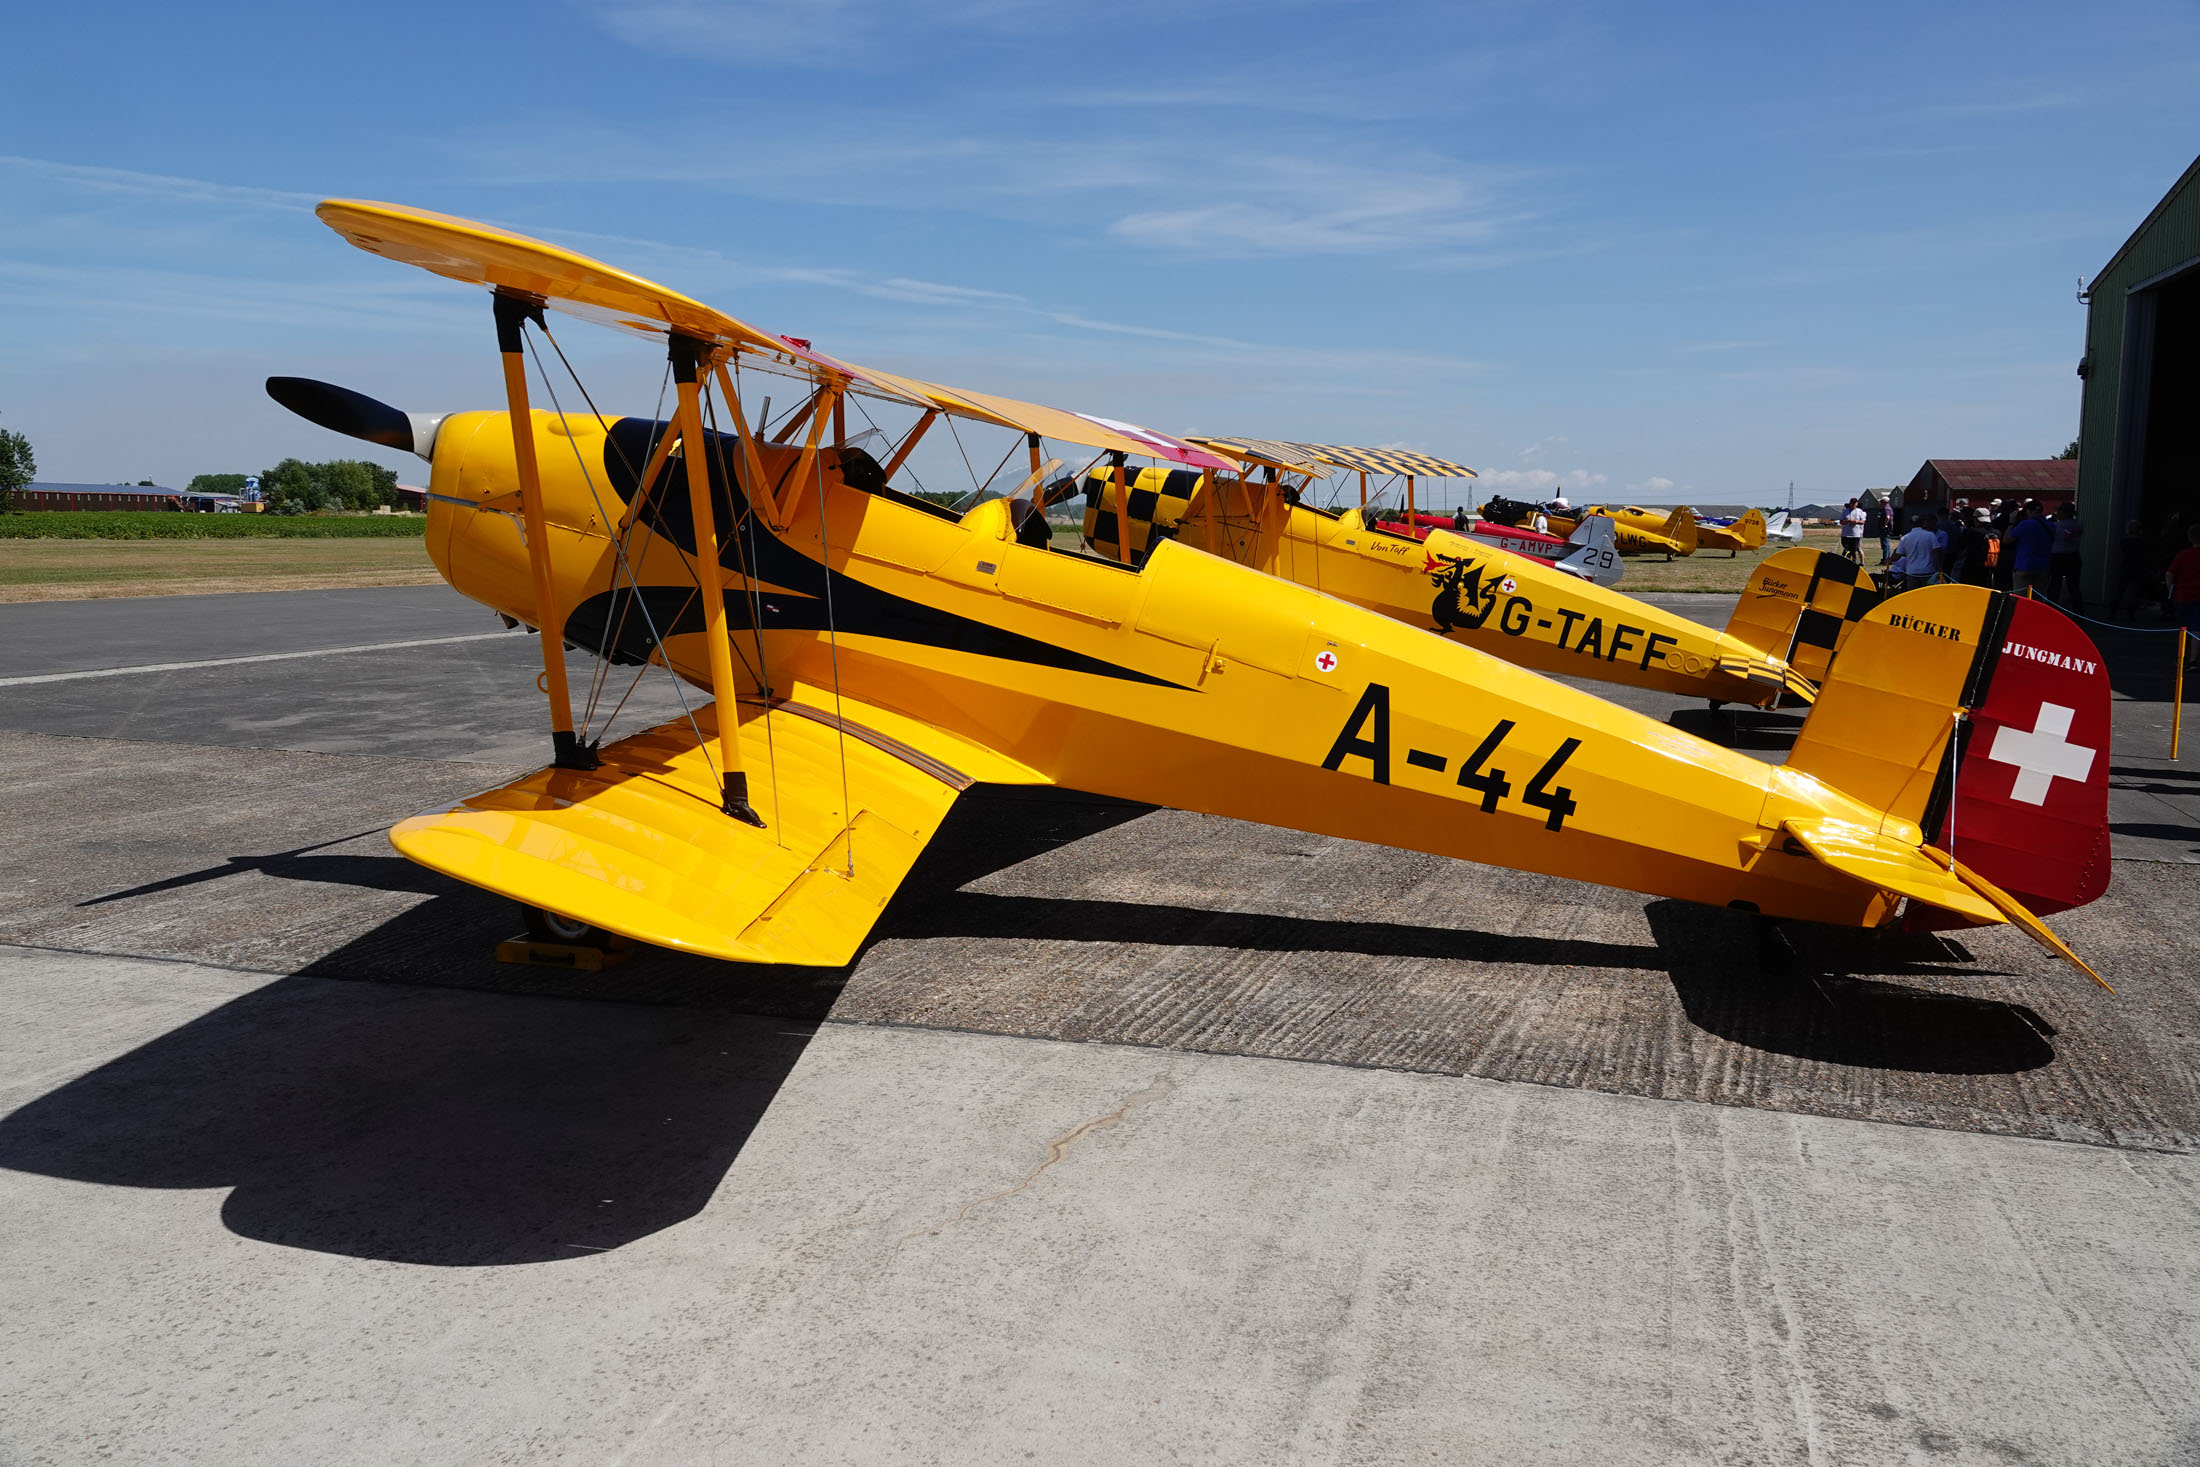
(1917, 557)
(2032, 545)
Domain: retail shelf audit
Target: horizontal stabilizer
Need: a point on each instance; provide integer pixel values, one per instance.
(1889, 864)
(1769, 672)
(2015, 911)
(641, 847)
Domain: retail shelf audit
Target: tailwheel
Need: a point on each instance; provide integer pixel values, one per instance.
(548, 926)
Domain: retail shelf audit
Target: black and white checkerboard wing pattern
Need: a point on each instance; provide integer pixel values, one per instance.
(1156, 496)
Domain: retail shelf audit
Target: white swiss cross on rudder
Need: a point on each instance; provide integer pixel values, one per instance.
(2043, 755)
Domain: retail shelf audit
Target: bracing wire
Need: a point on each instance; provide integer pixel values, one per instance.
(749, 562)
(873, 422)
(832, 643)
(959, 447)
(603, 664)
(989, 478)
(619, 541)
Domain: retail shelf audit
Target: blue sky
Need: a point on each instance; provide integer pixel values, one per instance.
(1648, 252)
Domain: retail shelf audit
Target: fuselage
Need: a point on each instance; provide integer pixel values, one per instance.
(1195, 681)
(1516, 607)
(1638, 531)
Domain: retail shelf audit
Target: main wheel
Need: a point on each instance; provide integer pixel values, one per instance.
(547, 926)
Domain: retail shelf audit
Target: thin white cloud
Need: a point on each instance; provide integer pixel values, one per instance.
(1238, 194)
(1655, 484)
(168, 186)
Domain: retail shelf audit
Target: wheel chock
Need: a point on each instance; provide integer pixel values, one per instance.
(535, 953)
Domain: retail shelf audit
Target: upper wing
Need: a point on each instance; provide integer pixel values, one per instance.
(1385, 460)
(640, 846)
(1267, 453)
(481, 254)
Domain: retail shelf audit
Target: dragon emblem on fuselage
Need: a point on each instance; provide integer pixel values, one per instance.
(1464, 595)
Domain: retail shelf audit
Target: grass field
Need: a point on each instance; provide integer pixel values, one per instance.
(65, 570)
(62, 569)
(124, 524)
(1714, 570)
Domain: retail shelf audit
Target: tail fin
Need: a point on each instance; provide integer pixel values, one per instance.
(1982, 719)
(1780, 528)
(1751, 528)
(1597, 558)
(1680, 527)
(1800, 606)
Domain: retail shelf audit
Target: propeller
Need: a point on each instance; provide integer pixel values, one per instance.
(357, 415)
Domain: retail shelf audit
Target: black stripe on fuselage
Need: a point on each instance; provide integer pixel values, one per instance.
(857, 607)
(1993, 629)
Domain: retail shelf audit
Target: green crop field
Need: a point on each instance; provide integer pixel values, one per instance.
(67, 570)
(144, 524)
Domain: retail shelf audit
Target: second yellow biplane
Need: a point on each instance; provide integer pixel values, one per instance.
(1781, 638)
(1744, 532)
(870, 654)
(1640, 531)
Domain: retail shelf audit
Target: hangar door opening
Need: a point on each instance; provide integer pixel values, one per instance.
(2158, 437)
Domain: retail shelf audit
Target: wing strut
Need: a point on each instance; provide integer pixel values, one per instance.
(688, 356)
(513, 311)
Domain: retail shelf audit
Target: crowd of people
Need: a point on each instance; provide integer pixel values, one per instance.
(2011, 547)
(2022, 547)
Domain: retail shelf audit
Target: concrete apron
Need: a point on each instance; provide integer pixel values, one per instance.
(254, 1220)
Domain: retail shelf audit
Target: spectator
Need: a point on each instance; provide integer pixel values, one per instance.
(2031, 546)
(1996, 550)
(2005, 558)
(1459, 519)
(2064, 553)
(1875, 523)
(1917, 558)
(2131, 572)
(1970, 550)
(2183, 576)
(1852, 533)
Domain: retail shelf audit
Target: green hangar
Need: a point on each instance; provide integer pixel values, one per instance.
(2139, 429)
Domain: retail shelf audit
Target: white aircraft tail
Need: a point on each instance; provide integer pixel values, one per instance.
(1779, 527)
(1596, 557)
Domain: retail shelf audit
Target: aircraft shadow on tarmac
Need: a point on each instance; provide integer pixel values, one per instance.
(436, 1125)
(1822, 993)
(432, 1127)
(420, 1119)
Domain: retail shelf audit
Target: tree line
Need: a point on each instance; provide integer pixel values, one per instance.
(297, 487)
(291, 487)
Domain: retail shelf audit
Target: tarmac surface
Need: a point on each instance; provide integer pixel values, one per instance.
(1133, 1135)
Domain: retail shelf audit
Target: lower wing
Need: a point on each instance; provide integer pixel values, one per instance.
(641, 847)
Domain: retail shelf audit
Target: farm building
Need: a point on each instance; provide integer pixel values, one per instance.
(97, 496)
(1981, 481)
(2139, 434)
(127, 496)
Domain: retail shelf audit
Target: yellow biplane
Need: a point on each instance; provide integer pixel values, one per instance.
(1747, 532)
(1790, 621)
(1640, 531)
(870, 654)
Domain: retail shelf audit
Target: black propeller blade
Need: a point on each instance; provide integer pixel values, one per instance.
(352, 413)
